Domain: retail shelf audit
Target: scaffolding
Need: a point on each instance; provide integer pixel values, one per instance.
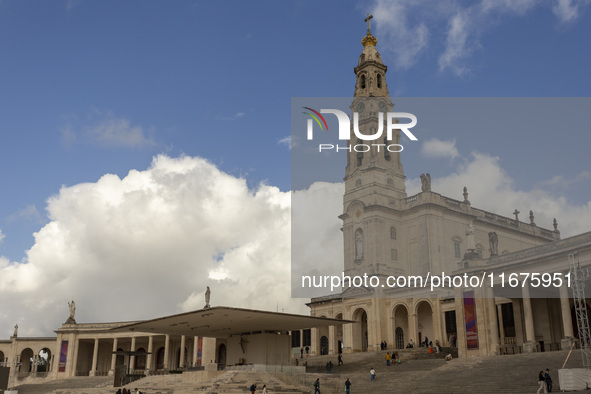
(579, 277)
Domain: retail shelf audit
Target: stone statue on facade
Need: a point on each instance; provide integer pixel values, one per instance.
(531, 218)
(72, 307)
(207, 298)
(15, 330)
(425, 182)
(493, 240)
(358, 245)
(555, 224)
(465, 194)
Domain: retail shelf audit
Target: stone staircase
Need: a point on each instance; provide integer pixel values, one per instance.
(419, 372)
(425, 374)
(79, 385)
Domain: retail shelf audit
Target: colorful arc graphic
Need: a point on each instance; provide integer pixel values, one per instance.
(316, 118)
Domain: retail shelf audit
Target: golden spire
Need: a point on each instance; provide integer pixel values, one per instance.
(369, 39)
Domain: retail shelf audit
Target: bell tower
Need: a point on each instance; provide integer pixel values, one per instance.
(374, 177)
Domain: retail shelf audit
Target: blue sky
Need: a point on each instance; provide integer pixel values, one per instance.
(89, 88)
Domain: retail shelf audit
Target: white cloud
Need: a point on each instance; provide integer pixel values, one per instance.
(148, 244)
(408, 39)
(110, 130)
(438, 149)
(491, 188)
(568, 10)
(287, 141)
(29, 212)
(406, 28)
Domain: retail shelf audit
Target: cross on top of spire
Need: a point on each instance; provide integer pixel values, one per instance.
(367, 19)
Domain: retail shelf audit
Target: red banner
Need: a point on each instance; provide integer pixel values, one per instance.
(470, 320)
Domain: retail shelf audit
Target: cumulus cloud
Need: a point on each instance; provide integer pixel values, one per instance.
(148, 245)
(435, 148)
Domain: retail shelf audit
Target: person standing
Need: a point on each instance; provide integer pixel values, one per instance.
(340, 358)
(348, 386)
(265, 389)
(317, 386)
(548, 380)
(387, 359)
(253, 388)
(541, 382)
(372, 374)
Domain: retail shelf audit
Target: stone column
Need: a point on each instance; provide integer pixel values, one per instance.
(529, 345)
(501, 326)
(315, 348)
(149, 367)
(132, 358)
(413, 328)
(567, 323)
(75, 361)
(113, 358)
(332, 340)
(50, 367)
(492, 322)
(94, 357)
(166, 350)
(182, 352)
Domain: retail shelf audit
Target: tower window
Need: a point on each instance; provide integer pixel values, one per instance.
(394, 254)
(392, 232)
(363, 82)
(457, 250)
(379, 80)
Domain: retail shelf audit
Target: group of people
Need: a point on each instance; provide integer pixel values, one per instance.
(394, 358)
(125, 391)
(253, 388)
(545, 382)
(383, 345)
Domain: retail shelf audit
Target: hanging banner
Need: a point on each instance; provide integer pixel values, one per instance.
(199, 351)
(63, 357)
(470, 320)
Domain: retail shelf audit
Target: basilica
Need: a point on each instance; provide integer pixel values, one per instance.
(389, 234)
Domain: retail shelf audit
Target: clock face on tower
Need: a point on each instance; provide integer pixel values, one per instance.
(360, 107)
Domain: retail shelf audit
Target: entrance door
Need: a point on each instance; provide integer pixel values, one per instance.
(399, 338)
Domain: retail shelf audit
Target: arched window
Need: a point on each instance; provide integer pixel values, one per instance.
(363, 82)
(379, 80)
(392, 232)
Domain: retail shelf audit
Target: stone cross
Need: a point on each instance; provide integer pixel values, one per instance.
(367, 19)
(516, 213)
